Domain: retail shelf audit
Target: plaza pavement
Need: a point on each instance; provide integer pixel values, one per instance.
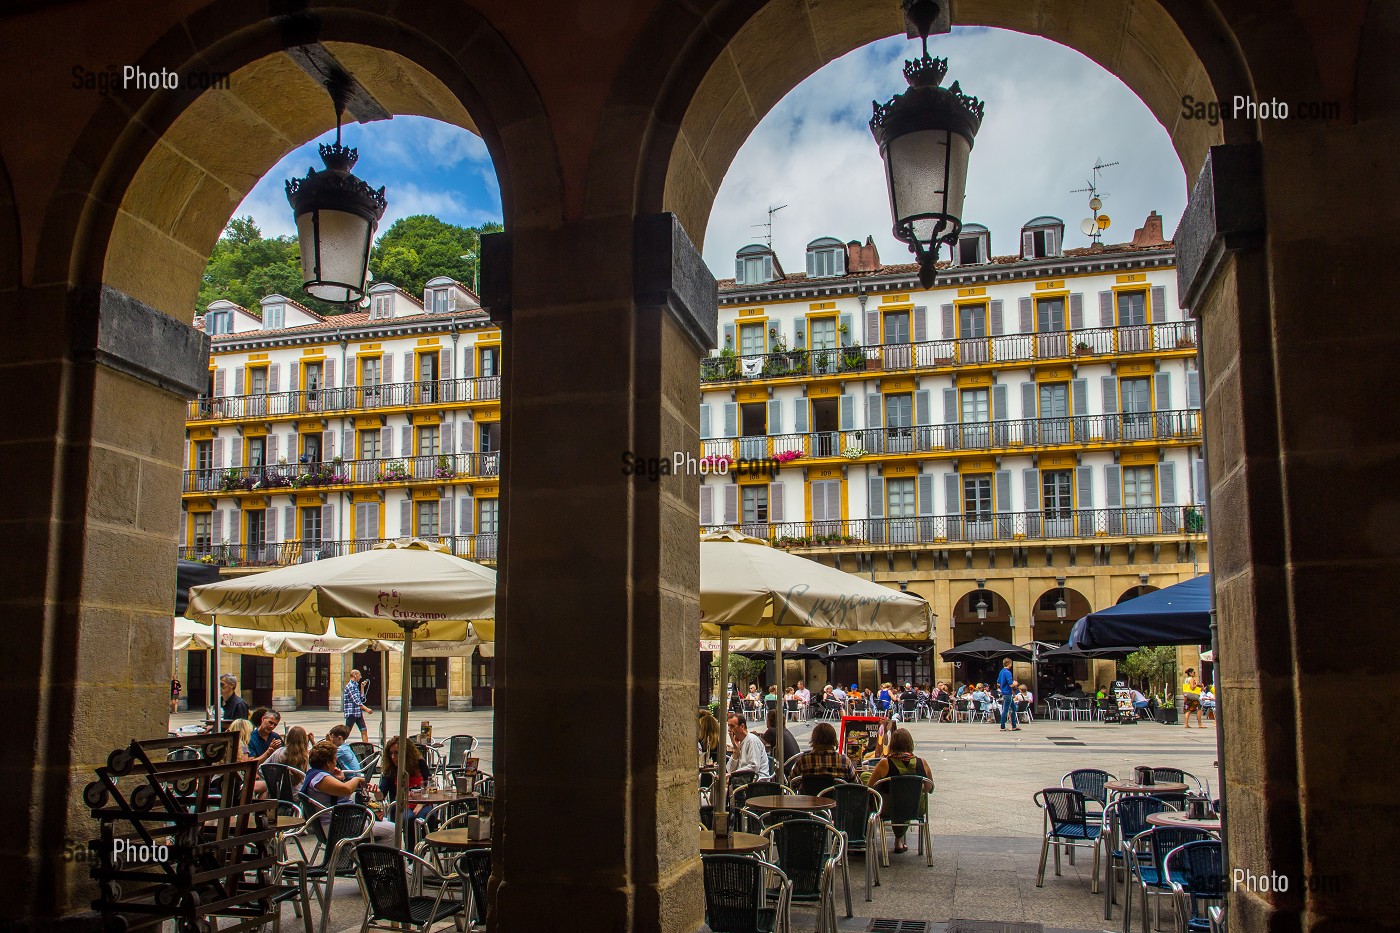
(986, 827)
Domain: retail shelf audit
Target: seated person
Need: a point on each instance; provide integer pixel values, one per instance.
(902, 760)
(327, 785)
(265, 732)
(982, 698)
(822, 762)
(1208, 702)
(753, 698)
(749, 751)
(1140, 702)
(790, 746)
(828, 699)
(418, 773)
(345, 758)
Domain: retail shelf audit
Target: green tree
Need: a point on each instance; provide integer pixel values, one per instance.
(421, 247)
(1156, 667)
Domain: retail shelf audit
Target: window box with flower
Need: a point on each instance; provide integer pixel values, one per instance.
(396, 471)
(444, 468)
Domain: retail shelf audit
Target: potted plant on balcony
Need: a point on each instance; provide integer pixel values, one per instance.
(395, 471)
(853, 357)
(1195, 520)
(1186, 341)
(1082, 348)
(854, 453)
(444, 468)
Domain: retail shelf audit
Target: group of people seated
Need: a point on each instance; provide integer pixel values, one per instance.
(924, 700)
(981, 699)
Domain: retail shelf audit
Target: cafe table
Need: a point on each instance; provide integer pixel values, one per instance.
(1178, 818)
(807, 802)
(436, 797)
(455, 838)
(733, 844)
(1133, 787)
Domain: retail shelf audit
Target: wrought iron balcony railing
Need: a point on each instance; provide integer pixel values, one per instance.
(1010, 527)
(938, 354)
(477, 547)
(346, 398)
(1160, 426)
(289, 477)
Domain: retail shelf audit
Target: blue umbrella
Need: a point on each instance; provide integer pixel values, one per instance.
(1176, 615)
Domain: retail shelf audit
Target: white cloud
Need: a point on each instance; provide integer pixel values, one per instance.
(421, 143)
(1050, 113)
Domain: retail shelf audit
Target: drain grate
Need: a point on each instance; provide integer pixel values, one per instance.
(992, 926)
(899, 926)
(1062, 744)
(1060, 738)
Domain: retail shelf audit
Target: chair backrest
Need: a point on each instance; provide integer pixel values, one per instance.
(854, 805)
(902, 794)
(814, 783)
(802, 848)
(347, 821)
(1089, 782)
(182, 754)
(738, 779)
(1163, 839)
(755, 789)
(363, 750)
(1199, 868)
(1174, 799)
(734, 892)
(909, 707)
(282, 781)
(441, 814)
(1169, 774)
(1064, 806)
(475, 866)
(1129, 814)
(459, 748)
(383, 872)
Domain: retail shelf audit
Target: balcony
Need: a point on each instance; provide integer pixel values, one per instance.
(291, 477)
(1008, 349)
(992, 527)
(346, 399)
(1028, 435)
(477, 547)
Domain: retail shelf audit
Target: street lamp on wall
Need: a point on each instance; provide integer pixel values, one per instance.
(1061, 607)
(981, 605)
(925, 137)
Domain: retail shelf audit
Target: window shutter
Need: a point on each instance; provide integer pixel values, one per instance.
(704, 421)
(875, 505)
(293, 448)
(216, 526)
(731, 419)
(1079, 397)
(289, 523)
(768, 267)
(445, 517)
(1158, 308)
(873, 402)
(923, 407)
(361, 521)
(949, 323)
(235, 457)
(1106, 309)
(274, 378)
(799, 416)
(1028, 390)
(347, 444)
(445, 364)
(233, 522)
(1027, 244)
(184, 530)
(1166, 482)
(186, 461)
(843, 326)
(998, 323)
(1027, 313)
(469, 361)
(406, 441)
(950, 406)
(219, 453)
(329, 532)
(730, 338)
(218, 382)
(1164, 391)
(775, 502)
(1109, 387)
(847, 416)
(1030, 487)
(920, 324)
(925, 492)
(238, 381)
(707, 503)
(464, 436)
(1113, 486)
(271, 456)
(327, 443)
(738, 270)
(1199, 467)
(1002, 479)
(839, 256)
(952, 493)
(1193, 388)
(466, 514)
(1076, 311)
(775, 416)
(408, 367)
(386, 372)
(1084, 479)
(731, 504)
(445, 437)
(406, 518)
(811, 263)
(328, 374)
(386, 442)
(799, 334)
(872, 328)
(999, 403)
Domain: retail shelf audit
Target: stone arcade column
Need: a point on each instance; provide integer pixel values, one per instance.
(604, 322)
(92, 453)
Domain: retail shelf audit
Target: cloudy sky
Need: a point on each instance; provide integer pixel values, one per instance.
(1051, 113)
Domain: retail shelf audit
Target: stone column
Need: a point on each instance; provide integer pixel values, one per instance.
(393, 689)
(340, 671)
(284, 684)
(602, 358)
(459, 687)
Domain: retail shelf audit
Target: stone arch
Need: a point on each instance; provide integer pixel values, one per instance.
(1133, 592)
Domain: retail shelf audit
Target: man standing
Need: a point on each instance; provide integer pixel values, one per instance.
(354, 705)
(345, 758)
(804, 697)
(233, 705)
(1008, 705)
(749, 751)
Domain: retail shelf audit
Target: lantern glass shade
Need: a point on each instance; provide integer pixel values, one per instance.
(1061, 608)
(982, 607)
(926, 172)
(334, 253)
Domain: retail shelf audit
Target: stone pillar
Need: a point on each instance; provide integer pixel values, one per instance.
(284, 684)
(340, 671)
(592, 557)
(393, 689)
(93, 456)
(459, 687)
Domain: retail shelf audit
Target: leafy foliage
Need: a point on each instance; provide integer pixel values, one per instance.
(418, 248)
(1154, 666)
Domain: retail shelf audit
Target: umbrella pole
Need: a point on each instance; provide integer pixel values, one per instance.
(778, 746)
(214, 677)
(406, 688)
(721, 783)
(384, 700)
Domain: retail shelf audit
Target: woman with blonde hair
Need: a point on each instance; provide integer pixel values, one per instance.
(295, 753)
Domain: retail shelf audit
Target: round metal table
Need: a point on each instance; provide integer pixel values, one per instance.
(1133, 787)
(458, 838)
(1179, 819)
(790, 802)
(733, 844)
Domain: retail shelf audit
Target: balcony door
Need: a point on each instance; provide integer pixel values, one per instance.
(898, 352)
(371, 379)
(976, 418)
(899, 423)
(973, 345)
(1057, 501)
(256, 537)
(977, 506)
(1054, 425)
(753, 431)
(1136, 400)
(825, 343)
(1051, 338)
(1134, 336)
(205, 479)
(901, 511)
(754, 505)
(1140, 500)
(826, 507)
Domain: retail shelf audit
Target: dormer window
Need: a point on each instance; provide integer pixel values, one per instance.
(974, 246)
(273, 317)
(826, 257)
(381, 306)
(754, 265)
(442, 300)
(1042, 238)
(218, 322)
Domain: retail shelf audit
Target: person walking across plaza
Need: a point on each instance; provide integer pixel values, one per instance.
(1191, 698)
(354, 705)
(1005, 680)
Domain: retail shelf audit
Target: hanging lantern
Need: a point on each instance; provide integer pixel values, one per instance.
(925, 137)
(336, 216)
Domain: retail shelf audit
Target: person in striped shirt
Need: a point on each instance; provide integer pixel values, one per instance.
(822, 765)
(354, 705)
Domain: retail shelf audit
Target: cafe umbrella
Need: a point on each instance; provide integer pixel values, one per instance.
(418, 588)
(986, 648)
(751, 590)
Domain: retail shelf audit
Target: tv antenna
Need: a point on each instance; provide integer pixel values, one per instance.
(1093, 227)
(768, 227)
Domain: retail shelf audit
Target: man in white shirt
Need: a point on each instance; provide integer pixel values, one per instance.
(804, 697)
(749, 751)
(839, 695)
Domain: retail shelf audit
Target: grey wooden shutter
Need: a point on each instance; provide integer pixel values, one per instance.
(730, 337)
(1027, 244)
(844, 325)
(386, 372)
(768, 274)
(1164, 391)
(925, 494)
(921, 323)
(1028, 400)
(293, 448)
(406, 441)
(1030, 488)
(327, 443)
(216, 526)
(445, 364)
(446, 435)
(289, 523)
(799, 334)
(274, 378)
(1158, 308)
(731, 504)
(386, 442)
(1002, 480)
(1199, 467)
(775, 502)
(408, 374)
(270, 457)
(1113, 486)
(775, 416)
(950, 325)
(923, 407)
(329, 531)
(1106, 309)
(799, 416)
(1193, 388)
(873, 403)
(998, 323)
(445, 517)
(347, 444)
(847, 415)
(1109, 394)
(876, 503)
(1027, 313)
(219, 382)
(464, 436)
(235, 457)
(950, 406)
(952, 493)
(406, 517)
(238, 380)
(328, 374)
(1076, 311)
(469, 362)
(219, 452)
(1084, 479)
(184, 530)
(738, 270)
(466, 514)
(999, 403)
(359, 531)
(234, 515)
(731, 419)
(705, 419)
(707, 505)
(186, 461)
(1079, 396)
(1166, 482)
(872, 328)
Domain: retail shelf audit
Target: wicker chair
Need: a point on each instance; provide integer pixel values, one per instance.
(383, 872)
(809, 850)
(1124, 820)
(283, 781)
(1196, 872)
(735, 895)
(1090, 782)
(1147, 869)
(1067, 823)
(741, 794)
(459, 749)
(857, 816)
(905, 804)
(474, 867)
(1181, 777)
(347, 825)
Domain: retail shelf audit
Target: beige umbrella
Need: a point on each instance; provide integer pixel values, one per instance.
(415, 587)
(755, 591)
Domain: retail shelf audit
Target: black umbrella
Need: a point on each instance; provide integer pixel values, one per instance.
(1070, 653)
(190, 573)
(873, 649)
(986, 648)
(800, 653)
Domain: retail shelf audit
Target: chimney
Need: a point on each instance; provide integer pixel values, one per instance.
(862, 259)
(1150, 233)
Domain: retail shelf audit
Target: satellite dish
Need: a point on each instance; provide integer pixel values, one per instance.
(1095, 203)
(1104, 221)
(1087, 226)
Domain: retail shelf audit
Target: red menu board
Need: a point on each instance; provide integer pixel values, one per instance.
(861, 737)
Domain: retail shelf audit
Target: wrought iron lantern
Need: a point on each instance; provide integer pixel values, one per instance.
(925, 137)
(1061, 607)
(336, 216)
(981, 606)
